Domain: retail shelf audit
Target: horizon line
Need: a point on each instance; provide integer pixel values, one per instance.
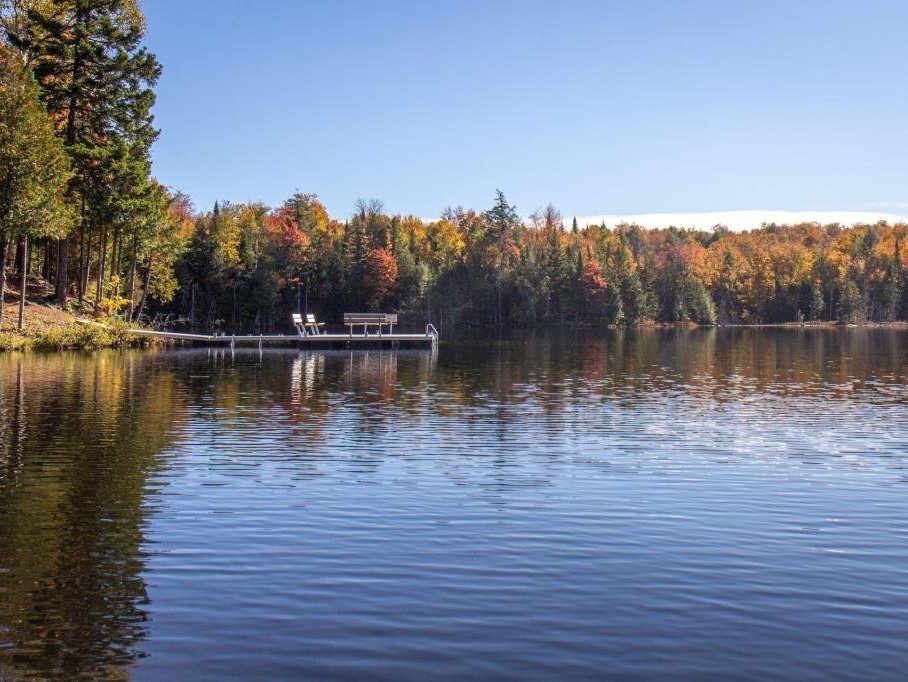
(738, 220)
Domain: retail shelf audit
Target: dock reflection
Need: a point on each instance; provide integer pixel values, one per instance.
(90, 444)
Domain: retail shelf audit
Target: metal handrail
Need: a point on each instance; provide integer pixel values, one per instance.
(431, 330)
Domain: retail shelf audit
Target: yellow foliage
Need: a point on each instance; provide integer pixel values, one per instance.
(113, 302)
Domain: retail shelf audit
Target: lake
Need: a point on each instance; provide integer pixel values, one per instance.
(685, 503)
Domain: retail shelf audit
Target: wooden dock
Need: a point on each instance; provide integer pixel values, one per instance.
(427, 340)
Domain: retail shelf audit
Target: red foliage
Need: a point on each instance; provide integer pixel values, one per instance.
(180, 212)
(593, 282)
(283, 233)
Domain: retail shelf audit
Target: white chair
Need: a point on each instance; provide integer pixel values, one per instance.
(298, 323)
(313, 327)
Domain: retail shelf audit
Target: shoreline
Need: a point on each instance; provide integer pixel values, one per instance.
(896, 324)
(49, 328)
(85, 334)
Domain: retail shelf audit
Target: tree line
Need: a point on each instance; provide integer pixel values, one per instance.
(247, 267)
(80, 208)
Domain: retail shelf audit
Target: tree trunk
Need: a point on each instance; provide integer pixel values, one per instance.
(146, 282)
(4, 247)
(86, 274)
(132, 275)
(17, 265)
(499, 301)
(81, 272)
(62, 270)
(23, 246)
(70, 140)
(102, 265)
(115, 253)
(45, 266)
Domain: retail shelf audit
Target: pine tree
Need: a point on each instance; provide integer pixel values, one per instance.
(33, 167)
(554, 263)
(96, 80)
(850, 308)
(817, 304)
(501, 218)
(355, 257)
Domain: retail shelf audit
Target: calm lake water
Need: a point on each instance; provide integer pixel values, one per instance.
(702, 503)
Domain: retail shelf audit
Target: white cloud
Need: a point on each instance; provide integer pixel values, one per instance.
(740, 220)
(899, 206)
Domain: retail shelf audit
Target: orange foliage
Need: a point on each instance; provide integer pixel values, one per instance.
(593, 281)
(289, 243)
(381, 276)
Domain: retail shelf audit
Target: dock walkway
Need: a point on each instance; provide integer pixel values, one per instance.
(324, 340)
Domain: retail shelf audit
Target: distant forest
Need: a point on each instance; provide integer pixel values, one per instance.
(245, 266)
(80, 208)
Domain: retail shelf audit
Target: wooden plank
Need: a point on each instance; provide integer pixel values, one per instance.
(370, 318)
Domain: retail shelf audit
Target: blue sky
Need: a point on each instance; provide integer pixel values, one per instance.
(598, 107)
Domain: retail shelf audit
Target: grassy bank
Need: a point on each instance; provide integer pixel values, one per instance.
(47, 327)
(75, 335)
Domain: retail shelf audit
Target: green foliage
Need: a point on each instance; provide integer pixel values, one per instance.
(75, 116)
(33, 167)
(476, 268)
(816, 303)
(502, 217)
(851, 305)
(96, 80)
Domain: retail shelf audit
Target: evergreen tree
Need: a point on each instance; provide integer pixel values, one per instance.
(33, 166)
(817, 303)
(355, 241)
(96, 80)
(555, 267)
(850, 307)
(501, 218)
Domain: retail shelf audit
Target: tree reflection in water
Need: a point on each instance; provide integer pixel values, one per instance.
(87, 442)
(79, 437)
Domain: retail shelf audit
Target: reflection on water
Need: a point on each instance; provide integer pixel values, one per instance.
(637, 503)
(78, 438)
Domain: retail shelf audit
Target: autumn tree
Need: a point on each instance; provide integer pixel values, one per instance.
(604, 305)
(161, 239)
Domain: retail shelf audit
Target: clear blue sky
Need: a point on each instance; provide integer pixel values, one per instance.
(597, 107)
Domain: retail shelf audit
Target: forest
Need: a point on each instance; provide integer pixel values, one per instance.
(81, 209)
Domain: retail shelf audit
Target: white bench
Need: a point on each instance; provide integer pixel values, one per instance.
(370, 319)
